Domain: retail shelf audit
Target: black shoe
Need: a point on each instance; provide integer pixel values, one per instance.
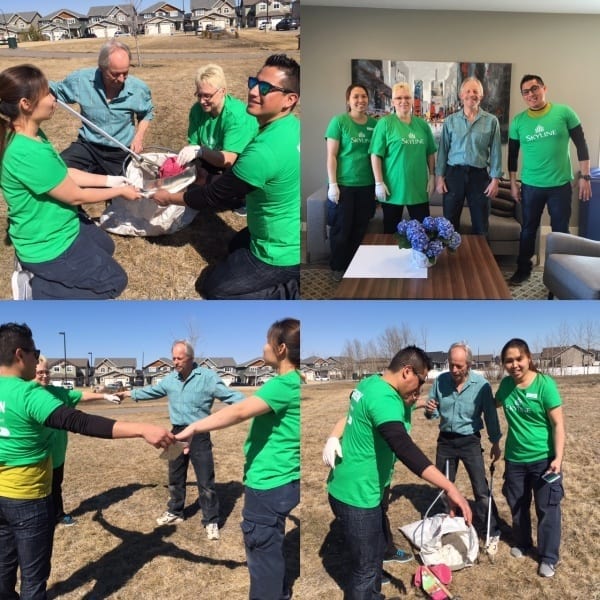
(385, 578)
(519, 277)
(398, 556)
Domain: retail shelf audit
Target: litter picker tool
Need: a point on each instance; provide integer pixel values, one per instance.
(148, 165)
(489, 513)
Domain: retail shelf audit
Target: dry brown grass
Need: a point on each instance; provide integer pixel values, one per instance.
(324, 563)
(166, 267)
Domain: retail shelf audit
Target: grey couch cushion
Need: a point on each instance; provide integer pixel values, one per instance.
(571, 277)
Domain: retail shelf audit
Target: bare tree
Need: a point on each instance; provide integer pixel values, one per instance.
(394, 339)
(134, 28)
(424, 330)
(588, 334)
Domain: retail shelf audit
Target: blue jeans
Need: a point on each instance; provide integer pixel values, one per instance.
(86, 270)
(521, 481)
(349, 223)
(467, 449)
(470, 183)
(365, 538)
(201, 457)
(533, 200)
(263, 527)
(26, 535)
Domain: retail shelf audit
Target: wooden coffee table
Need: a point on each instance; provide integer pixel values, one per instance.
(470, 273)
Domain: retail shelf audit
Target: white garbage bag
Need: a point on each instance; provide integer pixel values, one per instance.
(443, 539)
(144, 217)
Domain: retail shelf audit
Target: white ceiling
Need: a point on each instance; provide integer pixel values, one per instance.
(547, 6)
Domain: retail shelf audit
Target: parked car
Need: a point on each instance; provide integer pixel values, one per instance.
(122, 34)
(67, 385)
(287, 23)
(264, 25)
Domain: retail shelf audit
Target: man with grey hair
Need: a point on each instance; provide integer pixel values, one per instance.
(113, 101)
(460, 397)
(469, 160)
(191, 391)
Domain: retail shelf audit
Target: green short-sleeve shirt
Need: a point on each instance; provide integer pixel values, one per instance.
(544, 142)
(404, 148)
(360, 477)
(272, 448)
(231, 130)
(40, 227)
(60, 437)
(529, 437)
(353, 161)
(271, 163)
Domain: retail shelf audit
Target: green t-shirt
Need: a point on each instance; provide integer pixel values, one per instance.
(60, 437)
(529, 437)
(40, 227)
(353, 161)
(361, 476)
(404, 148)
(272, 448)
(544, 142)
(271, 163)
(231, 130)
(24, 407)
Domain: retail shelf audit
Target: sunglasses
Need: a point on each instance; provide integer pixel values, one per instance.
(35, 351)
(264, 87)
(420, 377)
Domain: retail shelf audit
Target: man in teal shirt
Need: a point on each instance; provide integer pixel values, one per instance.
(191, 391)
(461, 397)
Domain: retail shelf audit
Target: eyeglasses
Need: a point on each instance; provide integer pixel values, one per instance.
(35, 351)
(264, 87)
(207, 96)
(43, 372)
(532, 90)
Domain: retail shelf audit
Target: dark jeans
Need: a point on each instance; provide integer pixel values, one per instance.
(365, 540)
(263, 527)
(390, 547)
(470, 183)
(57, 479)
(349, 224)
(467, 449)
(26, 534)
(201, 457)
(84, 271)
(94, 158)
(392, 214)
(521, 481)
(533, 200)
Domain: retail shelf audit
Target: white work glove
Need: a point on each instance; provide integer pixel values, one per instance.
(331, 449)
(187, 154)
(113, 181)
(112, 398)
(381, 191)
(333, 192)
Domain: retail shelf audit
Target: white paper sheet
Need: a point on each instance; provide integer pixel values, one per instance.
(382, 262)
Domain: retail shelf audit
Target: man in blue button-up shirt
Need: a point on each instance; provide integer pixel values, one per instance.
(469, 146)
(460, 398)
(111, 99)
(191, 391)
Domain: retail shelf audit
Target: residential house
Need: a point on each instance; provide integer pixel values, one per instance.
(439, 360)
(64, 23)
(155, 371)
(18, 24)
(213, 14)
(325, 369)
(162, 18)
(268, 12)
(254, 372)
(105, 21)
(225, 367)
(565, 357)
(115, 370)
(76, 373)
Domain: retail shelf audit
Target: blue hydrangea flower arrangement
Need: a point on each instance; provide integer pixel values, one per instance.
(429, 237)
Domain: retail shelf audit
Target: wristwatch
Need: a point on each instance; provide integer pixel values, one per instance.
(586, 177)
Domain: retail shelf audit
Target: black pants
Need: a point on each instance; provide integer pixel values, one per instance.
(94, 158)
(392, 214)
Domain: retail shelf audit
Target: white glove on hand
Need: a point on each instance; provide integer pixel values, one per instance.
(113, 181)
(112, 398)
(381, 191)
(333, 192)
(331, 449)
(187, 154)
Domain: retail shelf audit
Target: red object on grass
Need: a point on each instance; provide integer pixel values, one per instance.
(170, 168)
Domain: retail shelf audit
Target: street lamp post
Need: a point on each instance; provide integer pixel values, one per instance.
(65, 355)
(90, 370)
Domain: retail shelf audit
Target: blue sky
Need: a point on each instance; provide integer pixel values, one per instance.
(45, 7)
(237, 329)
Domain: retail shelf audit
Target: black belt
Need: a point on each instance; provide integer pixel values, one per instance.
(468, 168)
(449, 435)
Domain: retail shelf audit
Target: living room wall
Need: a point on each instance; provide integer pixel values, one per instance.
(563, 49)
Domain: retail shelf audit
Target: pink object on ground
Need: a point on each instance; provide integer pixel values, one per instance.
(170, 168)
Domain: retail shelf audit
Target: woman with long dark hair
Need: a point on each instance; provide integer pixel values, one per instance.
(534, 450)
(68, 255)
(272, 469)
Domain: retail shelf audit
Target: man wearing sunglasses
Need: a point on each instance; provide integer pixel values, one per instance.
(461, 397)
(374, 436)
(542, 132)
(113, 100)
(264, 259)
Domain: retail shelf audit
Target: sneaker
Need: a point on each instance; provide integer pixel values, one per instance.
(212, 531)
(337, 275)
(67, 520)
(385, 578)
(242, 211)
(546, 570)
(167, 518)
(398, 556)
(21, 284)
(492, 548)
(517, 552)
(519, 277)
